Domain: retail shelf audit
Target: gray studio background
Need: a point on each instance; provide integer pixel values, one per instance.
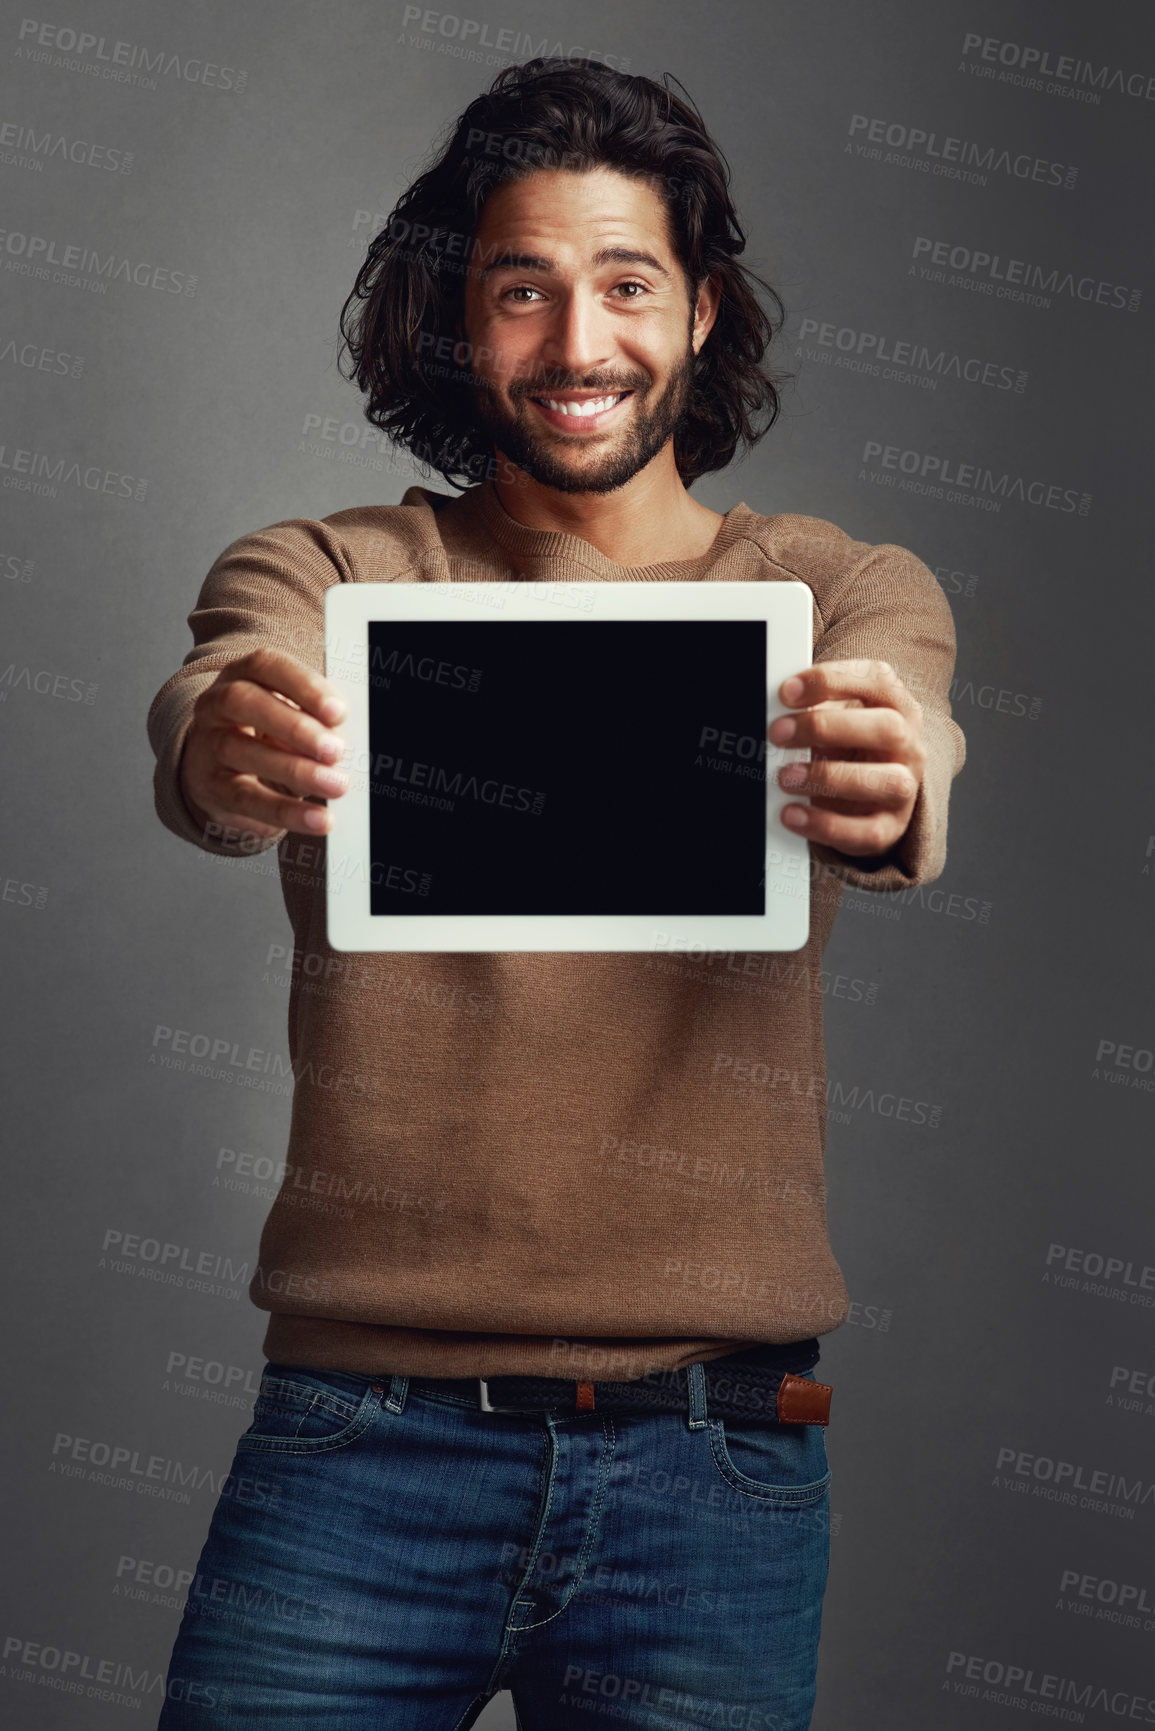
(1001, 1351)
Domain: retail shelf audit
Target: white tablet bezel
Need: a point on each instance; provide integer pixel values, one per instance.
(785, 606)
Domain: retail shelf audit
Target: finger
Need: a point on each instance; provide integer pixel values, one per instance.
(872, 682)
(835, 728)
(890, 784)
(282, 672)
(238, 703)
(244, 797)
(300, 775)
(872, 834)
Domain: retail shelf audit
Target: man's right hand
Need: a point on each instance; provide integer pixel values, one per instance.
(262, 738)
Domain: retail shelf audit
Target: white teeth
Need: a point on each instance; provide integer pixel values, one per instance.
(594, 405)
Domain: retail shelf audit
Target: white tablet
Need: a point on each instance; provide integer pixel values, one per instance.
(565, 766)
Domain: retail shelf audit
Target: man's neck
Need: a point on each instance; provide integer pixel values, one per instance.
(650, 520)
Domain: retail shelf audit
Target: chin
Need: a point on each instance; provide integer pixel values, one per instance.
(604, 478)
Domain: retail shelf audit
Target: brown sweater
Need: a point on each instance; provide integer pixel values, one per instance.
(564, 1164)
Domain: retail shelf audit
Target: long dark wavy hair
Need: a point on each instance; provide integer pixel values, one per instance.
(403, 320)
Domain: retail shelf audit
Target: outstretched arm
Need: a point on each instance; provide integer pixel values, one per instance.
(874, 710)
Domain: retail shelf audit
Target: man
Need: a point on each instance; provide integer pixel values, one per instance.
(549, 1262)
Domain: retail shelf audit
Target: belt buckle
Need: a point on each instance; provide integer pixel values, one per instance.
(584, 1399)
(486, 1406)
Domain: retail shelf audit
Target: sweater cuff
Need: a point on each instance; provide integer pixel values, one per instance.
(169, 720)
(919, 855)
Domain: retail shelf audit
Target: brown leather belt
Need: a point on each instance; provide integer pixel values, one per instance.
(760, 1384)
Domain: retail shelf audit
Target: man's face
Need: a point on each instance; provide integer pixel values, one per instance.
(576, 296)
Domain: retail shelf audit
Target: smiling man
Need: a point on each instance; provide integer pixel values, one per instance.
(549, 1263)
(579, 302)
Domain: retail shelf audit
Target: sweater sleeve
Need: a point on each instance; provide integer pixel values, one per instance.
(892, 609)
(266, 590)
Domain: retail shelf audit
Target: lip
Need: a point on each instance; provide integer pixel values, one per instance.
(583, 424)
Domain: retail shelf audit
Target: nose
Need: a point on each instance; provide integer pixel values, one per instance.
(577, 337)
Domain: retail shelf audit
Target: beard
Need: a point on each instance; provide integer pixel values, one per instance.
(618, 458)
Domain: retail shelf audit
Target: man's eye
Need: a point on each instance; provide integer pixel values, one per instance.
(528, 288)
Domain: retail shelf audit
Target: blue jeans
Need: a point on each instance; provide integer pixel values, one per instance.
(385, 1557)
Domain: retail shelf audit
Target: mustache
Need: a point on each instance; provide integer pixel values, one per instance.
(549, 386)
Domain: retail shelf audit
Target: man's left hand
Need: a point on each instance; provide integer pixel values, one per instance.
(864, 731)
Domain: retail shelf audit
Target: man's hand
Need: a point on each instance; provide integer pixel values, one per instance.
(258, 739)
(864, 731)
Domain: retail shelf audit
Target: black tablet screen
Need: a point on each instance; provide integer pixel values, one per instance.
(568, 767)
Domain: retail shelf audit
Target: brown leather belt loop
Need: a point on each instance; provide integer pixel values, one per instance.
(801, 1401)
(585, 1397)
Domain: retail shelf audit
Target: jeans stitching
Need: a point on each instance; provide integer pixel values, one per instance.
(277, 1387)
(785, 1496)
(609, 1445)
(479, 1700)
(513, 1629)
(317, 1445)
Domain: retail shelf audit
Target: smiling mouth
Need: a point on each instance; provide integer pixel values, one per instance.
(580, 410)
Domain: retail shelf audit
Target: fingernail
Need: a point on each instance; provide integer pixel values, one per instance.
(316, 818)
(783, 729)
(792, 690)
(795, 816)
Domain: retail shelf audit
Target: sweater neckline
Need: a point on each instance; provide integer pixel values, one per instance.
(482, 502)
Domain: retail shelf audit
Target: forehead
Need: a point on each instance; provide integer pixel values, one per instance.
(575, 213)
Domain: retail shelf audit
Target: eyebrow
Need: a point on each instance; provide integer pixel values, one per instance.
(511, 260)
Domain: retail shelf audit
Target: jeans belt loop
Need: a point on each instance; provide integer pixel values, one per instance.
(398, 1388)
(696, 1377)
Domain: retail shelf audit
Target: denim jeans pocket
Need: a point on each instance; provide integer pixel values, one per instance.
(782, 1464)
(306, 1411)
